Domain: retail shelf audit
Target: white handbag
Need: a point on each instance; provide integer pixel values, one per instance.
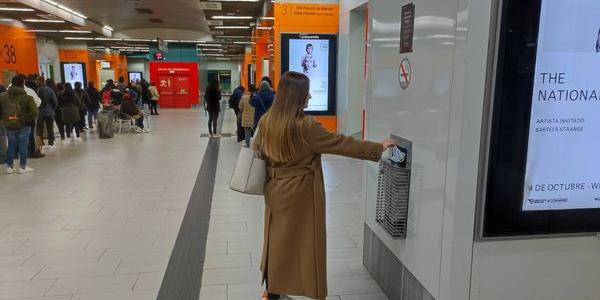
(250, 173)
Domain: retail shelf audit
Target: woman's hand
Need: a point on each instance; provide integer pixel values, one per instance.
(388, 143)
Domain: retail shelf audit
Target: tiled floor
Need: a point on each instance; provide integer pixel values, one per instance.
(98, 220)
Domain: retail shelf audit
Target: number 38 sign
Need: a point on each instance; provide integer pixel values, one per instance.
(8, 54)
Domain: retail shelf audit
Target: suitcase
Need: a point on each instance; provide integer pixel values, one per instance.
(106, 124)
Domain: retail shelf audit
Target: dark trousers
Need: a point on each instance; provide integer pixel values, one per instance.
(154, 106)
(139, 121)
(92, 114)
(49, 122)
(70, 127)
(61, 125)
(82, 119)
(213, 117)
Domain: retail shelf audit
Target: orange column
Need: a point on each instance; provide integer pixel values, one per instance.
(245, 63)
(18, 52)
(304, 18)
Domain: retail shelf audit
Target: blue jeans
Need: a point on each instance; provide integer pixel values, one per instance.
(92, 114)
(3, 142)
(20, 136)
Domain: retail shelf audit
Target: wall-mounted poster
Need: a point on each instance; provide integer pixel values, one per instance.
(73, 72)
(314, 55)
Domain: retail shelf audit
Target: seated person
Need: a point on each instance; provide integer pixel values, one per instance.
(131, 110)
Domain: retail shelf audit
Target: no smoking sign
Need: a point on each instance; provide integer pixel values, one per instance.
(404, 73)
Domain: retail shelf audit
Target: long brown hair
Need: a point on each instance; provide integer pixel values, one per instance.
(280, 129)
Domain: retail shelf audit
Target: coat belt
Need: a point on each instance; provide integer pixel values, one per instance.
(290, 172)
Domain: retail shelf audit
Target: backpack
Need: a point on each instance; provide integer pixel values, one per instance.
(13, 114)
(106, 98)
(234, 99)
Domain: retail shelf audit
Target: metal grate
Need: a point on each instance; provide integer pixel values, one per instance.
(392, 198)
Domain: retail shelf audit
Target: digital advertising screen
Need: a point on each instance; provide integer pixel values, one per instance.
(543, 168)
(562, 161)
(314, 55)
(135, 76)
(73, 72)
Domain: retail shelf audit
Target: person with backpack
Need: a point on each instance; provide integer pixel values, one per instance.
(47, 111)
(19, 113)
(92, 104)
(70, 107)
(262, 102)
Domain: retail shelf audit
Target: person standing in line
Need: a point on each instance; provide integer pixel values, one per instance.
(70, 108)
(154, 98)
(121, 86)
(58, 90)
(32, 89)
(267, 79)
(93, 103)
(83, 100)
(234, 103)
(262, 102)
(294, 250)
(3, 139)
(47, 112)
(19, 113)
(213, 106)
(247, 114)
(145, 93)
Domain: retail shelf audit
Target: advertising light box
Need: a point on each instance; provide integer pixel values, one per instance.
(314, 55)
(543, 172)
(73, 72)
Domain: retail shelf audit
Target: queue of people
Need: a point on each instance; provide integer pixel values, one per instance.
(250, 107)
(32, 107)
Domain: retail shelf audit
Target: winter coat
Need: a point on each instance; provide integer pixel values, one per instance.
(262, 102)
(247, 112)
(94, 99)
(70, 106)
(213, 101)
(154, 93)
(49, 102)
(294, 249)
(29, 109)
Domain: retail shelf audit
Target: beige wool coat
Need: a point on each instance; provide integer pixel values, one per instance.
(247, 112)
(294, 250)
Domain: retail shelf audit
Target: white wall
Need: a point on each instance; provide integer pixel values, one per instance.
(48, 54)
(351, 83)
(442, 112)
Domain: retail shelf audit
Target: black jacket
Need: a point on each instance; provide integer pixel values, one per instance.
(94, 98)
(213, 100)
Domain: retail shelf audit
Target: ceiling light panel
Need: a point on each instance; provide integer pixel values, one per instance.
(232, 17)
(65, 8)
(43, 21)
(232, 27)
(15, 9)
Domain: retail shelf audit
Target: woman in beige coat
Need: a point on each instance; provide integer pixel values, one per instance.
(247, 111)
(294, 250)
